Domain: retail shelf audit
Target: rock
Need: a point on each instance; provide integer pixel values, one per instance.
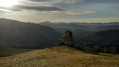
(67, 39)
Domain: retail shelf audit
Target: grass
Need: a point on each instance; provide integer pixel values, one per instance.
(60, 57)
(12, 51)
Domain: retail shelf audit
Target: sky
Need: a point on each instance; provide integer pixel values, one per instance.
(60, 10)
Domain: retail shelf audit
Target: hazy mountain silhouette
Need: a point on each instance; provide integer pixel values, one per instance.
(62, 25)
(109, 37)
(81, 30)
(78, 31)
(36, 35)
(27, 34)
(109, 27)
(94, 27)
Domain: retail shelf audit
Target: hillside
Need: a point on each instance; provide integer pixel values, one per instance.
(109, 37)
(27, 34)
(78, 30)
(109, 27)
(81, 30)
(94, 27)
(60, 57)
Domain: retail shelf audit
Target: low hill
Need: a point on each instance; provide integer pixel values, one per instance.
(60, 57)
(109, 37)
(109, 27)
(21, 34)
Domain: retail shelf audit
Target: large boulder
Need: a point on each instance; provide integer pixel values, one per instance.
(67, 39)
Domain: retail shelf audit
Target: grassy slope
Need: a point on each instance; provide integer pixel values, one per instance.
(12, 51)
(59, 57)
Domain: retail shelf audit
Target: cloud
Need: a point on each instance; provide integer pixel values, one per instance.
(68, 12)
(79, 12)
(4, 10)
(44, 9)
(35, 8)
(56, 1)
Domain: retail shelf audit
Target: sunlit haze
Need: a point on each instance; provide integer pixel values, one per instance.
(60, 10)
(8, 3)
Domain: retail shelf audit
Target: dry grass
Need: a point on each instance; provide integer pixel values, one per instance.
(59, 57)
(12, 51)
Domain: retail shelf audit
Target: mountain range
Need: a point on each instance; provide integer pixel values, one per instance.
(45, 34)
(109, 37)
(82, 31)
(20, 34)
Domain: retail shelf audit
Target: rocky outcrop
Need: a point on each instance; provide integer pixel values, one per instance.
(67, 39)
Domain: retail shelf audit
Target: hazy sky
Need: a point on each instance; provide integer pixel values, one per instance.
(60, 10)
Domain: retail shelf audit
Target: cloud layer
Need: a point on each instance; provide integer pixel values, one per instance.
(79, 12)
(36, 8)
(57, 1)
(62, 10)
(46, 9)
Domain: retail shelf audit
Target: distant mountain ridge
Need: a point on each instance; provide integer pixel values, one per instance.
(78, 30)
(27, 34)
(83, 26)
(82, 30)
(109, 37)
(45, 34)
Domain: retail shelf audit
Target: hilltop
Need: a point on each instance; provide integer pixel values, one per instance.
(60, 57)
